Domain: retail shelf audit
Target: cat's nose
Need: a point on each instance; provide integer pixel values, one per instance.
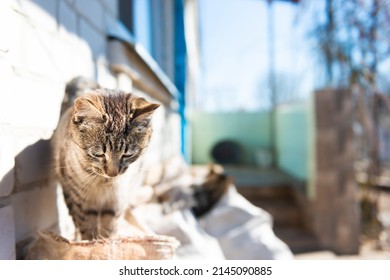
(112, 170)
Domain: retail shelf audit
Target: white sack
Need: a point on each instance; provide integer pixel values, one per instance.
(195, 243)
(243, 230)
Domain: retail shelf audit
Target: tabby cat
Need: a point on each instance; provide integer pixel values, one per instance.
(98, 147)
(210, 191)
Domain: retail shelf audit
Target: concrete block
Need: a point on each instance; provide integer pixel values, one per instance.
(92, 10)
(67, 17)
(326, 149)
(34, 210)
(7, 234)
(325, 109)
(95, 39)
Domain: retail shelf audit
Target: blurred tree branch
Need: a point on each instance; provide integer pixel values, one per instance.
(352, 40)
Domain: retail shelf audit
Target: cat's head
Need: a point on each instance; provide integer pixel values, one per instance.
(112, 129)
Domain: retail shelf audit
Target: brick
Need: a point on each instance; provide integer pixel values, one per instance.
(33, 165)
(7, 86)
(71, 51)
(110, 21)
(40, 13)
(93, 11)
(10, 42)
(112, 6)
(48, 5)
(39, 48)
(33, 211)
(33, 103)
(7, 234)
(95, 39)
(54, 56)
(67, 17)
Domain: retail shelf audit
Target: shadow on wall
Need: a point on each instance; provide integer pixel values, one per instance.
(34, 195)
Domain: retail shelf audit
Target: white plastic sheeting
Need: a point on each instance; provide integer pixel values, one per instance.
(233, 229)
(243, 230)
(195, 243)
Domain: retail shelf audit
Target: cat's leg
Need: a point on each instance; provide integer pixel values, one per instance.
(98, 224)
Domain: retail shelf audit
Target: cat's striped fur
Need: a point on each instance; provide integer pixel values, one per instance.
(98, 147)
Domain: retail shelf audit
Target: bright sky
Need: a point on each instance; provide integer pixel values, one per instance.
(234, 54)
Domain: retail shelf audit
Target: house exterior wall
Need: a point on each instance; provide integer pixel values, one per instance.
(44, 44)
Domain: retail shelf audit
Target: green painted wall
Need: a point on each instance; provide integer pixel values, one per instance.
(293, 144)
(293, 129)
(251, 130)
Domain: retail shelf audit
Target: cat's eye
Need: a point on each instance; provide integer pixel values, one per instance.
(127, 155)
(98, 155)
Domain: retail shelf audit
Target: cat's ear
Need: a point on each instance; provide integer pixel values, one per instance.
(88, 107)
(142, 109)
(215, 169)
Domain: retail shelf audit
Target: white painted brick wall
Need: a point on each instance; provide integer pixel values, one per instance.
(7, 234)
(44, 44)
